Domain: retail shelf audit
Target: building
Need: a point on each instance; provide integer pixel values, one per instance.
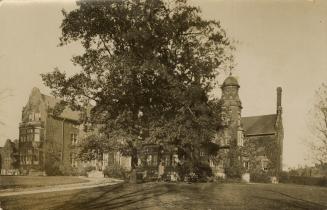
(9, 158)
(258, 140)
(48, 141)
(266, 133)
(261, 136)
(44, 138)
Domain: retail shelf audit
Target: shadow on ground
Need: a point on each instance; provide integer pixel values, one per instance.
(177, 196)
(119, 196)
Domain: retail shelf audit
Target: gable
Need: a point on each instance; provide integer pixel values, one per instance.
(259, 125)
(67, 113)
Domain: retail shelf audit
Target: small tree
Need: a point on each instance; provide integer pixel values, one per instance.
(52, 161)
(318, 125)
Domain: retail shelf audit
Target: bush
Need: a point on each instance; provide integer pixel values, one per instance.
(284, 175)
(260, 176)
(76, 171)
(234, 172)
(116, 171)
(194, 171)
(52, 169)
(303, 180)
(89, 168)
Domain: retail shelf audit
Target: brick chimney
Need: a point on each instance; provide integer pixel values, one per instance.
(279, 100)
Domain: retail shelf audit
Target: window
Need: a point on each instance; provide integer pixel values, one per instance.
(73, 138)
(226, 139)
(22, 138)
(149, 160)
(202, 154)
(264, 165)
(155, 160)
(246, 164)
(211, 163)
(37, 135)
(30, 117)
(240, 140)
(21, 160)
(36, 158)
(28, 160)
(30, 137)
(167, 160)
(37, 116)
(174, 160)
(73, 160)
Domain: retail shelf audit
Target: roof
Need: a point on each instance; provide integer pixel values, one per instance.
(231, 81)
(67, 113)
(259, 125)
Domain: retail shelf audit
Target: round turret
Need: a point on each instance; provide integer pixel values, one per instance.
(230, 81)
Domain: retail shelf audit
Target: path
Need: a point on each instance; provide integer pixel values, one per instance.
(92, 182)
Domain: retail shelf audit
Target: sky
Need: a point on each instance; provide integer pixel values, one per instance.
(279, 43)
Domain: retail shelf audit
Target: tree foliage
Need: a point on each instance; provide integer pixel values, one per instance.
(148, 67)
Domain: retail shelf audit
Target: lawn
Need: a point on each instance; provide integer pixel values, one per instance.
(177, 196)
(9, 182)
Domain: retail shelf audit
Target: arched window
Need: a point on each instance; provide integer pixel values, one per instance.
(240, 138)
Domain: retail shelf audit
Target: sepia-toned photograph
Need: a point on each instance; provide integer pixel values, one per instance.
(163, 104)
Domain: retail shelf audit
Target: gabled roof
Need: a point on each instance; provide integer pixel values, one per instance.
(259, 125)
(67, 113)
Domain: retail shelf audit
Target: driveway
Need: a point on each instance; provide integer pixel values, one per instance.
(91, 182)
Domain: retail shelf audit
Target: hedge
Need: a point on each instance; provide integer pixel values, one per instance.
(317, 181)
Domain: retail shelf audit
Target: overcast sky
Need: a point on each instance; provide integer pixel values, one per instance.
(281, 43)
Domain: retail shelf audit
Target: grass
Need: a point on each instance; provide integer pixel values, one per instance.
(10, 182)
(177, 196)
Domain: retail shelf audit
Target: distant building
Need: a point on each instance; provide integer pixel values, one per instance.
(9, 158)
(44, 137)
(47, 142)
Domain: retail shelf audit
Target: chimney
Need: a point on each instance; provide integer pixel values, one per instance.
(279, 99)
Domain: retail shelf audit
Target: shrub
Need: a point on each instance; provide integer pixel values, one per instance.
(234, 171)
(65, 170)
(116, 171)
(284, 176)
(52, 169)
(303, 180)
(194, 171)
(89, 168)
(260, 176)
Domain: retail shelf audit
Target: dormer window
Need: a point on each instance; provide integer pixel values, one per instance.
(30, 117)
(37, 116)
(34, 116)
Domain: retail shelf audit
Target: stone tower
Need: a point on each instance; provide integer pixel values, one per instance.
(231, 108)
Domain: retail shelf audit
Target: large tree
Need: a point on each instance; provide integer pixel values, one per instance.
(148, 67)
(318, 125)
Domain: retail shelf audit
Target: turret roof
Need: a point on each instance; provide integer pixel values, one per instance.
(231, 81)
